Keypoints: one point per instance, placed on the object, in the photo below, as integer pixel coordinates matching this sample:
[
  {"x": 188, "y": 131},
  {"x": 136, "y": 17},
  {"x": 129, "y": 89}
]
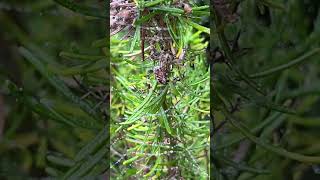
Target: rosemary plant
[{"x": 160, "y": 90}]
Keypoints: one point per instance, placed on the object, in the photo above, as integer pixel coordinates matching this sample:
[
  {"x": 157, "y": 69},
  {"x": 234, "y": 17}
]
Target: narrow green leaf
[
  {"x": 88, "y": 11},
  {"x": 52, "y": 172},
  {"x": 239, "y": 166},
  {"x": 152, "y": 3},
  {"x": 129, "y": 161},
  {"x": 238, "y": 137},
  {"x": 287, "y": 65},
  {"x": 91, "y": 163},
  {"x": 269, "y": 147},
  {"x": 272, "y": 4},
  {"x": 146, "y": 18},
  {"x": 56, "y": 82},
  {"x": 165, "y": 121},
  {"x": 101, "y": 43},
  {"x": 81, "y": 69},
  {"x": 60, "y": 161},
  {"x": 138, "y": 112},
  {"x": 96, "y": 142},
  {"x": 84, "y": 57},
  {"x": 197, "y": 26}
]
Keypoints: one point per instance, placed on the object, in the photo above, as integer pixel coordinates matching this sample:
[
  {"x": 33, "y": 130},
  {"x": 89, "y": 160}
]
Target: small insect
[{"x": 160, "y": 74}]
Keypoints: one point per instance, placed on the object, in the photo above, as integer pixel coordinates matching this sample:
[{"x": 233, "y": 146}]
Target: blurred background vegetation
[
  {"x": 53, "y": 89},
  {"x": 265, "y": 90}
]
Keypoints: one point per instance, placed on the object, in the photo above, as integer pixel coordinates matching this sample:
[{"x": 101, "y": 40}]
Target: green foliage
[{"x": 264, "y": 95}]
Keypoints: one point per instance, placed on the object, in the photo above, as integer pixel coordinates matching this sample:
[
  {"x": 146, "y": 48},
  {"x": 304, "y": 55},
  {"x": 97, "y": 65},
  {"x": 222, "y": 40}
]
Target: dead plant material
[{"x": 122, "y": 15}]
